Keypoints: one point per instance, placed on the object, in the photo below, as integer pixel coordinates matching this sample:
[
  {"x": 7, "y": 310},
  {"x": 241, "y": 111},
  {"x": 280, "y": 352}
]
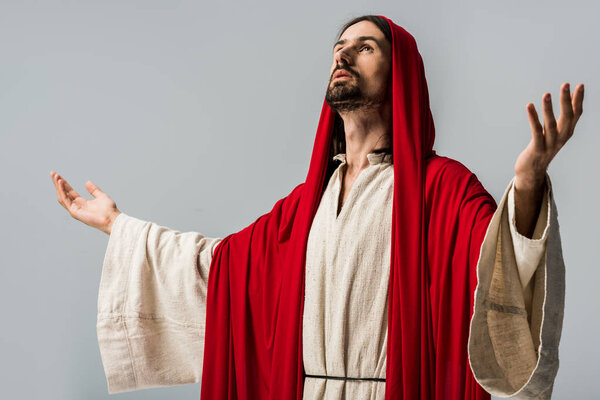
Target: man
[{"x": 305, "y": 303}]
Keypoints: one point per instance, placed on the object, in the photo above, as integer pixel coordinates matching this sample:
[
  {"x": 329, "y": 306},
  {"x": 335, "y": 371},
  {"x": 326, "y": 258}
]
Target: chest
[
  {"x": 353, "y": 226},
  {"x": 346, "y": 277},
  {"x": 346, "y": 182}
]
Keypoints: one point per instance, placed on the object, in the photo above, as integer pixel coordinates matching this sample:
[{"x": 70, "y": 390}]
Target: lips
[{"x": 341, "y": 74}]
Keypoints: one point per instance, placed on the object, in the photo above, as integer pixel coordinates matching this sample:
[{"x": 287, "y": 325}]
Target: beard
[{"x": 346, "y": 95}]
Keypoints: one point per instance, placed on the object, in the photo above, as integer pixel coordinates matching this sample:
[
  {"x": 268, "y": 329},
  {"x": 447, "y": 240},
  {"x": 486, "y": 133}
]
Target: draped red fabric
[{"x": 253, "y": 342}]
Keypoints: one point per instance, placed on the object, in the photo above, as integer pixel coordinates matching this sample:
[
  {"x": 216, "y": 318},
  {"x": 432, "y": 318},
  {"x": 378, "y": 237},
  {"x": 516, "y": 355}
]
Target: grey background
[{"x": 200, "y": 116}]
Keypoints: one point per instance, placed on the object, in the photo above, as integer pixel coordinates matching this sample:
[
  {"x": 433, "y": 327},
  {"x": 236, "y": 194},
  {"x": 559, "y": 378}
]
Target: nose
[{"x": 342, "y": 57}]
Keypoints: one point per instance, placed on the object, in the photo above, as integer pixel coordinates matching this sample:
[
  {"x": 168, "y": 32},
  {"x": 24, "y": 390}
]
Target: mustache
[{"x": 348, "y": 70}]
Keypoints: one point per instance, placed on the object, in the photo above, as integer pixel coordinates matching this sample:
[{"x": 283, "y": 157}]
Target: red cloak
[{"x": 253, "y": 343}]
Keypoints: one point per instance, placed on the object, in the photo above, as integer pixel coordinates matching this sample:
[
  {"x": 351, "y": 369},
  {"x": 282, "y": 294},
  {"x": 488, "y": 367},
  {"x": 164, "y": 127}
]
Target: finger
[
  {"x": 54, "y": 177},
  {"x": 550, "y": 132},
  {"x": 577, "y": 102},
  {"x": 93, "y": 189},
  {"x": 565, "y": 121},
  {"x": 65, "y": 199},
  {"x": 70, "y": 193},
  {"x": 537, "y": 135},
  {"x": 59, "y": 193}
]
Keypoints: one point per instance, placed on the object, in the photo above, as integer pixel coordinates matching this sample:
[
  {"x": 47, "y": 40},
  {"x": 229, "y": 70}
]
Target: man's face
[{"x": 359, "y": 76}]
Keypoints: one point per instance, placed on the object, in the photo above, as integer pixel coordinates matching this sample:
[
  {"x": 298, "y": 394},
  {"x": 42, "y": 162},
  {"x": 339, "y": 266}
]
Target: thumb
[{"x": 93, "y": 189}]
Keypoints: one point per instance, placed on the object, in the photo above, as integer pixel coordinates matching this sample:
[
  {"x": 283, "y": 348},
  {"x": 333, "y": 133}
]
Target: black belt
[{"x": 345, "y": 378}]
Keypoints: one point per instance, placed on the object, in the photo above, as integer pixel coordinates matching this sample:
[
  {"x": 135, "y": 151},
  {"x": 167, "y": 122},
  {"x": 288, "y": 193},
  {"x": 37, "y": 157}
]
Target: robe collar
[{"x": 374, "y": 158}]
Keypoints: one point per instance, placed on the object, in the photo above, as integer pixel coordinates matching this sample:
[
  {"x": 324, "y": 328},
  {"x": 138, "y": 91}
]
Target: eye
[{"x": 366, "y": 46}]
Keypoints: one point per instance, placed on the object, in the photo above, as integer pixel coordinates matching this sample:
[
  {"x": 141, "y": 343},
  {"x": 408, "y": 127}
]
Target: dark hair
[
  {"x": 338, "y": 142},
  {"x": 381, "y": 23}
]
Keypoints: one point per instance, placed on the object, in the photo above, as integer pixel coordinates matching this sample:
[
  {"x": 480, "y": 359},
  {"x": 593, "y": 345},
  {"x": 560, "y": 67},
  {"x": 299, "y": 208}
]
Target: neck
[{"x": 366, "y": 131}]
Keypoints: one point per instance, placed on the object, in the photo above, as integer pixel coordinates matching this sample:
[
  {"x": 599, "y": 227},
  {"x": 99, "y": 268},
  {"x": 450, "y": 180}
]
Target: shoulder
[
  {"x": 446, "y": 171},
  {"x": 445, "y": 167},
  {"x": 449, "y": 178}
]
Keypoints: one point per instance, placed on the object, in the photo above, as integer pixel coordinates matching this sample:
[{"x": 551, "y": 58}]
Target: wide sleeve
[
  {"x": 152, "y": 305},
  {"x": 514, "y": 353}
]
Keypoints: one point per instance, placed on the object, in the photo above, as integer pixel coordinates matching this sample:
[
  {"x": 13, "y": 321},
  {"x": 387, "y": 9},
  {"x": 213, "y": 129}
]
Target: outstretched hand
[
  {"x": 99, "y": 213},
  {"x": 547, "y": 140}
]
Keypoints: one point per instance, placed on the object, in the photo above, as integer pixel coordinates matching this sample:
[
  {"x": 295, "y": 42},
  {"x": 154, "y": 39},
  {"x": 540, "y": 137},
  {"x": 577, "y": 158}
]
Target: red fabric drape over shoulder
[{"x": 253, "y": 347}]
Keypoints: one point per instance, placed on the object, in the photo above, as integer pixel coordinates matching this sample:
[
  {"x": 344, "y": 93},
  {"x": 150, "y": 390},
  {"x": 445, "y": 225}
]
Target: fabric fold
[
  {"x": 512, "y": 353},
  {"x": 151, "y": 305}
]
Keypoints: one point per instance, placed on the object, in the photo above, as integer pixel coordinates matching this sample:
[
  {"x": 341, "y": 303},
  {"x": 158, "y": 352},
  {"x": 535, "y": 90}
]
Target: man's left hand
[{"x": 546, "y": 141}]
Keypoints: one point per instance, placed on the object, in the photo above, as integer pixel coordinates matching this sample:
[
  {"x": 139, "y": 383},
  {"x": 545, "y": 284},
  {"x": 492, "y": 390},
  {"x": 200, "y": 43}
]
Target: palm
[
  {"x": 91, "y": 211},
  {"x": 548, "y": 139},
  {"x": 94, "y": 212}
]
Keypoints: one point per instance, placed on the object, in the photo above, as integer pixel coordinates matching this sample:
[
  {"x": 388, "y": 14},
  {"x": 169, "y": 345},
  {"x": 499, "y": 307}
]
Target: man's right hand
[{"x": 99, "y": 213}]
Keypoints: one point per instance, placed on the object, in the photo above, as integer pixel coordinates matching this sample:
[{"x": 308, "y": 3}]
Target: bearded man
[{"x": 389, "y": 273}]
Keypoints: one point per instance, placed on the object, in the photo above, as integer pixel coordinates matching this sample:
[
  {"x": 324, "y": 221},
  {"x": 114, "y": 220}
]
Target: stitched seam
[
  {"x": 505, "y": 309},
  {"x": 147, "y": 317}
]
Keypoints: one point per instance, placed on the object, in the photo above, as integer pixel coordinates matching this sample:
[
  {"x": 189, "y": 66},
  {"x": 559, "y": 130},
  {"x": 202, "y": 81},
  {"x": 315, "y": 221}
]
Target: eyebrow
[{"x": 360, "y": 39}]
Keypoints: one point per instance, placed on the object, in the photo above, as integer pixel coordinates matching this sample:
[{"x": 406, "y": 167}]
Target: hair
[
  {"x": 338, "y": 142},
  {"x": 381, "y": 23}
]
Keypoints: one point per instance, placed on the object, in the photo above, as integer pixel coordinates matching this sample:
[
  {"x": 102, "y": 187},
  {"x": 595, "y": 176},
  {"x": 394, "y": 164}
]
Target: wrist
[
  {"x": 111, "y": 220},
  {"x": 533, "y": 183},
  {"x": 528, "y": 195}
]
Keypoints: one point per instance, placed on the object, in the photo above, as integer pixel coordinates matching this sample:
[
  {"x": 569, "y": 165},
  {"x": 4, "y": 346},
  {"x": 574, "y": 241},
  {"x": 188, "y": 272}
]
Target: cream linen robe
[{"x": 152, "y": 298}]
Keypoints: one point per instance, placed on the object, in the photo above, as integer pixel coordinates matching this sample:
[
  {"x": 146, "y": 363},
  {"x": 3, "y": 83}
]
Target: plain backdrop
[{"x": 199, "y": 116}]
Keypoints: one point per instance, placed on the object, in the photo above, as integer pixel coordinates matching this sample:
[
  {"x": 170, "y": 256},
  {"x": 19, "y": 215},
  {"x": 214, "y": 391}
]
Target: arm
[
  {"x": 514, "y": 338},
  {"x": 152, "y": 305},
  {"x": 152, "y": 295},
  {"x": 529, "y": 251},
  {"x": 513, "y": 350},
  {"x": 530, "y": 183}
]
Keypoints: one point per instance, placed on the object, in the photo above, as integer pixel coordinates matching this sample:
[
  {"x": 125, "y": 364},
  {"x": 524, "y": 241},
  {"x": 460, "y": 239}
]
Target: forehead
[{"x": 362, "y": 28}]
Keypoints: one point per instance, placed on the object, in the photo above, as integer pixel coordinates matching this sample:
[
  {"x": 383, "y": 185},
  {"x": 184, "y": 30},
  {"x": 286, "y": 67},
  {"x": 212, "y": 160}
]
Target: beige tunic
[
  {"x": 152, "y": 297},
  {"x": 344, "y": 329}
]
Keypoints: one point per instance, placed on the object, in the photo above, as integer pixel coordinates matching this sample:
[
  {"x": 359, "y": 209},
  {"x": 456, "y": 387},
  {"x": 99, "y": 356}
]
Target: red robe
[{"x": 253, "y": 343}]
